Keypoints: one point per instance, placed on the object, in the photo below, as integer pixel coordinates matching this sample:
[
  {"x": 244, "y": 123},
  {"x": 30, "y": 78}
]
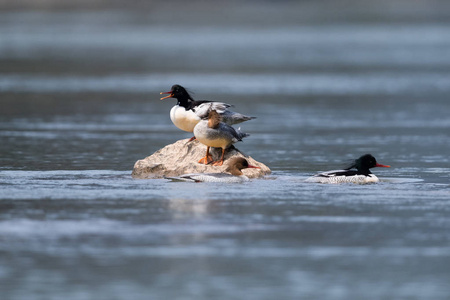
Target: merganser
[
  {"x": 361, "y": 175},
  {"x": 235, "y": 166},
  {"x": 188, "y": 112},
  {"x": 214, "y": 133}
]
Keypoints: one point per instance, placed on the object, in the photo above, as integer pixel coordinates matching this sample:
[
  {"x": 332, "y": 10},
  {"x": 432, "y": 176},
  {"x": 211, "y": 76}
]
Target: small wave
[{"x": 382, "y": 83}]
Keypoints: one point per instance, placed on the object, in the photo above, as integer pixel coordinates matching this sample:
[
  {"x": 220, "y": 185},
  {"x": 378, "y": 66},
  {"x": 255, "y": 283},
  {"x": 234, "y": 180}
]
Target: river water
[{"x": 79, "y": 95}]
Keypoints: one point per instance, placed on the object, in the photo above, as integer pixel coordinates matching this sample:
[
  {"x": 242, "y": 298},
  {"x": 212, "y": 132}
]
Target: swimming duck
[
  {"x": 234, "y": 173},
  {"x": 357, "y": 172}
]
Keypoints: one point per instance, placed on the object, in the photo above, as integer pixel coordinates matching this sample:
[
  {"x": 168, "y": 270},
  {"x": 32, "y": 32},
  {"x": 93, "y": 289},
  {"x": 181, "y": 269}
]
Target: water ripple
[{"x": 238, "y": 84}]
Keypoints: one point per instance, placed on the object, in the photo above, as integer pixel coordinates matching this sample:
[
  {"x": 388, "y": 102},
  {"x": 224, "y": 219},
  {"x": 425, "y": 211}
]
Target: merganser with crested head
[
  {"x": 188, "y": 112},
  {"x": 214, "y": 133},
  {"x": 361, "y": 175},
  {"x": 234, "y": 174}
]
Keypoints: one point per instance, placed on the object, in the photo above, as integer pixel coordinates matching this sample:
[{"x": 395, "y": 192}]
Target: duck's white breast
[
  {"x": 211, "y": 137},
  {"x": 184, "y": 119}
]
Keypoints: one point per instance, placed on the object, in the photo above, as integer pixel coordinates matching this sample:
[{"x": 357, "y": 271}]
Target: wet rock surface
[{"x": 182, "y": 157}]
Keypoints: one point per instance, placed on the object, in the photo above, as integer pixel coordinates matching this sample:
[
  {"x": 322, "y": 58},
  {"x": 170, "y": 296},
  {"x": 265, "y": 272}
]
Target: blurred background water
[{"x": 328, "y": 81}]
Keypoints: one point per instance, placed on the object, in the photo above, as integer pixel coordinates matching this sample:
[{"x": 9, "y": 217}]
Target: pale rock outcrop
[{"x": 182, "y": 157}]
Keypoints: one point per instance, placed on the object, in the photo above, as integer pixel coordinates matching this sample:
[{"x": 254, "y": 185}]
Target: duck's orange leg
[
  {"x": 220, "y": 162},
  {"x": 207, "y": 159},
  {"x": 191, "y": 139}
]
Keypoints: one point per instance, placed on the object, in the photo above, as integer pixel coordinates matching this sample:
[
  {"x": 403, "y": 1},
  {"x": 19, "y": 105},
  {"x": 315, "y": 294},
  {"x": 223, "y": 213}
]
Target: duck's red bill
[
  {"x": 254, "y": 167},
  {"x": 382, "y": 166},
  {"x": 170, "y": 95}
]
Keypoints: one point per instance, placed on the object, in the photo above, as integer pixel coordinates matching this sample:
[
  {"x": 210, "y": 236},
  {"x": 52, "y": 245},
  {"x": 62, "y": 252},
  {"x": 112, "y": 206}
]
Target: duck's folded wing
[
  {"x": 185, "y": 178},
  {"x": 207, "y": 177},
  {"x": 203, "y": 109},
  {"x": 230, "y": 117},
  {"x": 335, "y": 173},
  {"x": 335, "y": 176}
]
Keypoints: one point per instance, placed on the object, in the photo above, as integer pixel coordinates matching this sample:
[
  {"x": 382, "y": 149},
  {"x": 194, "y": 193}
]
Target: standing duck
[
  {"x": 234, "y": 174},
  {"x": 188, "y": 112},
  {"x": 214, "y": 133},
  {"x": 358, "y": 172}
]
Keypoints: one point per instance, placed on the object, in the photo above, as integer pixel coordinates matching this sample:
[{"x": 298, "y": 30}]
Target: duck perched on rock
[
  {"x": 214, "y": 133},
  {"x": 188, "y": 112}
]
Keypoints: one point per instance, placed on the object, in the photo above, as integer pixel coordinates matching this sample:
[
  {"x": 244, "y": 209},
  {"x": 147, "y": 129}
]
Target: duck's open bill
[{"x": 170, "y": 95}]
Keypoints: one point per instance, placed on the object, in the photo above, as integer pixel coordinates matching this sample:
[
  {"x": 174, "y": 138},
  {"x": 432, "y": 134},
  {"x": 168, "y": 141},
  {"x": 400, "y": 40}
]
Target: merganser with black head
[
  {"x": 234, "y": 173},
  {"x": 214, "y": 133},
  {"x": 188, "y": 112},
  {"x": 361, "y": 175}
]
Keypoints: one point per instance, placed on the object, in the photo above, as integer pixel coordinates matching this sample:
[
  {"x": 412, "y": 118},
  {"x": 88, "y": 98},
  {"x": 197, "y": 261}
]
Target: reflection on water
[
  {"x": 196, "y": 209},
  {"x": 80, "y": 104}
]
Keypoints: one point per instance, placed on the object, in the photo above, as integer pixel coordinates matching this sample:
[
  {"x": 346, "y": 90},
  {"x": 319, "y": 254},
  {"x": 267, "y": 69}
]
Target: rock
[{"x": 182, "y": 157}]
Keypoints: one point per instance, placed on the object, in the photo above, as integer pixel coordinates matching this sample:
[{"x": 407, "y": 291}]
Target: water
[{"x": 79, "y": 95}]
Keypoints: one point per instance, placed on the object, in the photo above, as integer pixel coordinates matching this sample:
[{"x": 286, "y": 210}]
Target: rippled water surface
[{"x": 80, "y": 104}]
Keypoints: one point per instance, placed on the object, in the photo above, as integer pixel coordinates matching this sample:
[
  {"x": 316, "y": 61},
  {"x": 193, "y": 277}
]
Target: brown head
[
  {"x": 213, "y": 119},
  {"x": 236, "y": 164}
]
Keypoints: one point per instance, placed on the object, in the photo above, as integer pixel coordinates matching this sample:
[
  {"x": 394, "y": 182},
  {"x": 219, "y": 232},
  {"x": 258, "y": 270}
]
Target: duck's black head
[
  {"x": 178, "y": 92},
  {"x": 366, "y": 162}
]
